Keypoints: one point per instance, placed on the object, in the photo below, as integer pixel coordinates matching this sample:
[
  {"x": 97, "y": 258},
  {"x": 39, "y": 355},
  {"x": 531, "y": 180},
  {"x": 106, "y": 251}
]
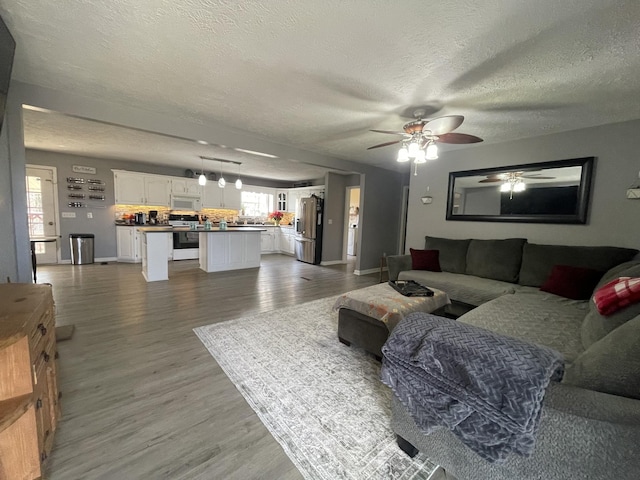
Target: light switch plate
[
  {"x": 426, "y": 200},
  {"x": 68, "y": 214},
  {"x": 89, "y": 214}
]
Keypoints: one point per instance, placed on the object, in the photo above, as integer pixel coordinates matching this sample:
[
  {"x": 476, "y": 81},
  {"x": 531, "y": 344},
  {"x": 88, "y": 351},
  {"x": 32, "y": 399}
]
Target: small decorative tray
[{"x": 411, "y": 288}]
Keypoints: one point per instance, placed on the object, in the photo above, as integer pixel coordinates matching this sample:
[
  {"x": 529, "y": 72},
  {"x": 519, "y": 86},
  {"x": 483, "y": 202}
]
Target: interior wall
[
  {"x": 612, "y": 219},
  {"x": 379, "y": 218},
  {"x": 333, "y": 234},
  {"x": 8, "y": 260}
]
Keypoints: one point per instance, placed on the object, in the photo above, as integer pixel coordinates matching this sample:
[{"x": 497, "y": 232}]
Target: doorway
[
  {"x": 42, "y": 210},
  {"x": 351, "y": 225}
]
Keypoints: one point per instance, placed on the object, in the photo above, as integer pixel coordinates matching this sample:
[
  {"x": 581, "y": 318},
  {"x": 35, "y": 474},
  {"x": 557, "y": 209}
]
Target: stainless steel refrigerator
[{"x": 309, "y": 230}]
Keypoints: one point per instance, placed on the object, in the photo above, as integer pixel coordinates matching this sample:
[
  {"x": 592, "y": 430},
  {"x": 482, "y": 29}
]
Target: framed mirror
[{"x": 547, "y": 192}]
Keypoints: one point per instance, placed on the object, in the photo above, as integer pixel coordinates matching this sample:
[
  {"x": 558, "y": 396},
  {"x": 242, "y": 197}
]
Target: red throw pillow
[
  {"x": 617, "y": 294},
  {"x": 576, "y": 283},
  {"x": 425, "y": 260}
]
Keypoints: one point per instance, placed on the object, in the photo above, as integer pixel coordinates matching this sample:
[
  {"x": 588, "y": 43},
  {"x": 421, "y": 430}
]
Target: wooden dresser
[{"x": 29, "y": 406}]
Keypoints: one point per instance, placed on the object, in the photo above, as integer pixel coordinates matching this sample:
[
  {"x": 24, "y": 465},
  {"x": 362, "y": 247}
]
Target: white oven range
[{"x": 185, "y": 244}]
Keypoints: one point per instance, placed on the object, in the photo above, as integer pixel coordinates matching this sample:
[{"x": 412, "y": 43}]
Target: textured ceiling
[{"x": 319, "y": 75}]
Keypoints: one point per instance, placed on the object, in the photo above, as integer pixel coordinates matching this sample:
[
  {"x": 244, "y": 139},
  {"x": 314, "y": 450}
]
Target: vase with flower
[{"x": 276, "y": 217}]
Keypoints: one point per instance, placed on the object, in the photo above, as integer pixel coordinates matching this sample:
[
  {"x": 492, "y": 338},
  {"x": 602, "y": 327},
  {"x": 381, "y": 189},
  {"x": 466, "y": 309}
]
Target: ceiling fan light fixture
[
  {"x": 414, "y": 148},
  {"x": 403, "y": 155},
  {"x": 519, "y": 186},
  {"x": 420, "y": 157},
  {"x": 505, "y": 187},
  {"x": 432, "y": 151}
]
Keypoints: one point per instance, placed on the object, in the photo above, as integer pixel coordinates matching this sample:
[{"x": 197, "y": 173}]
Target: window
[
  {"x": 35, "y": 215},
  {"x": 256, "y": 204}
]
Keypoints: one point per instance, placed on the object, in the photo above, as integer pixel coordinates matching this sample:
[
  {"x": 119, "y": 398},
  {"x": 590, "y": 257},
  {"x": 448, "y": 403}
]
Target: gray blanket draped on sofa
[{"x": 484, "y": 387}]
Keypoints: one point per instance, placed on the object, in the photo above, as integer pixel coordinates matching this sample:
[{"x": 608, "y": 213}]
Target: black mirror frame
[{"x": 584, "y": 190}]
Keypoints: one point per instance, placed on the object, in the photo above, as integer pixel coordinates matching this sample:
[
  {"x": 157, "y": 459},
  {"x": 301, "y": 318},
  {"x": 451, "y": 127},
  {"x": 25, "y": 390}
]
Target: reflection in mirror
[{"x": 548, "y": 192}]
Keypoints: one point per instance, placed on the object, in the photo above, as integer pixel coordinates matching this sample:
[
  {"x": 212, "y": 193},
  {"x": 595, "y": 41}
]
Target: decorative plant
[{"x": 277, "y": 216}]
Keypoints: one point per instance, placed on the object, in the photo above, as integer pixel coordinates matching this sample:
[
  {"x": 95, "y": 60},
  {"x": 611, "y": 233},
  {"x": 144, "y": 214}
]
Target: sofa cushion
[
  {"x": 425, "y": 260},
  {"x": 462, "y": 288},
  {"x": 496, "y": 259},
  {"x": 453, "y": 253},
  {"x": 538, "y": 260},
  {"x": 597, "y": 326},
  {"x": 571, "y": 282},
  {"x": 610, "y": 365},
  {"x": 535, "y": 316}
]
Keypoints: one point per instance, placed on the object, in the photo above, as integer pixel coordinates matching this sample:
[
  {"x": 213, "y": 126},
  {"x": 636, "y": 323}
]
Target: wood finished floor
[{"x": 142, "y": 397}]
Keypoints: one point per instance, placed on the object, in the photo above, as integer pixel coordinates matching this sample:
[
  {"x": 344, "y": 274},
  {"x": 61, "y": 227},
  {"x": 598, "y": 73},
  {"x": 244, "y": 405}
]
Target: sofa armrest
[
  {"x": 582, "y": 434},
  {"x": 397, "y": 264}
]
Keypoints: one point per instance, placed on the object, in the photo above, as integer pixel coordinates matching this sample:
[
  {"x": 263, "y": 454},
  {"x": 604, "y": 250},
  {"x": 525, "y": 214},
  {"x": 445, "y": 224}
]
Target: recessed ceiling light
[
  {"x": 252, "y": 152},
  {"x": 202, "y": 142}
]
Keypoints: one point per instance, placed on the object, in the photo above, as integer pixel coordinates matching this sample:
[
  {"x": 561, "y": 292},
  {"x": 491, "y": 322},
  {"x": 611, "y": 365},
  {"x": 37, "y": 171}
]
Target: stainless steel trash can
[{"x": 81, "y": 248}]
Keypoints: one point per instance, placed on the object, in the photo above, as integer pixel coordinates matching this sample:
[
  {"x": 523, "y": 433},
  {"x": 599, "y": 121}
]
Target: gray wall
[
  {"x": 380, "y": 212},
  {"x": 8, "y": 262},
  {"x": 332, "y": 238},
  {"x": 613, "y": 220},
  {"x": 481, "y": 201}
]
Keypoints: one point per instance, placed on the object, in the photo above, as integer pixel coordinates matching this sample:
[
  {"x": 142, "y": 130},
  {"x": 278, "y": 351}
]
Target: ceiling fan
[
  {"x": 422, "y": 135},
  {"x": 504, "y": 177}
]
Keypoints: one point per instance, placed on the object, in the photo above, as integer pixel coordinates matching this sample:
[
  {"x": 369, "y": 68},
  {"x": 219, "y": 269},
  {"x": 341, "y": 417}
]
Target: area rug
[{"x": 321, "y": 400}]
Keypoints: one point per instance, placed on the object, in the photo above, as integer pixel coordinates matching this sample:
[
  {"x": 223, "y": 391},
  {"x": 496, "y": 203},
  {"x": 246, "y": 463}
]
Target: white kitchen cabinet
[
  {"x": 211, "y": 195},
  {"x": 281, "y": 200},
  {"x": 267, "y": 241},
  {"x": 156, "y": 190},
  {"x": 128, "y": 244},
  {"x": 129, "y": 188},
  {"x": 231, "y": 197},
  {"x": 185, "y": 186},
  {"x": 286, "y": 240},
  {"x": 141, "y": 189}
]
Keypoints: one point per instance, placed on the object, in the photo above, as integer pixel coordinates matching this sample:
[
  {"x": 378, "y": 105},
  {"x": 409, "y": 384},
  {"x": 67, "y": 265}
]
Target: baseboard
[
  {"x": 368, "y": 271},
  {"x": 95, "y": 260},
  {"x": 332, "y": 262}
]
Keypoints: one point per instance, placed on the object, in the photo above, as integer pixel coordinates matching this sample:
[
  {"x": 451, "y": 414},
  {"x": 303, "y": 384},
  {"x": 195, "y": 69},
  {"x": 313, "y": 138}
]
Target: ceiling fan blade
[
  {"x": 384, "y": 144},
  {"x": 442, "y": 125},
  {"x": 458, "y": 138},
  {"x": 389, "y": 132},
  {"x": 491, "y": 180},
  {"x": 536, "y": 177}
]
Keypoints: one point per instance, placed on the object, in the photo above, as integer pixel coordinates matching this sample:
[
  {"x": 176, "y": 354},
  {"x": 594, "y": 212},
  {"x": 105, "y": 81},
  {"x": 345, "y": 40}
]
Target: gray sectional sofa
[{"x": 590, "y": 426}]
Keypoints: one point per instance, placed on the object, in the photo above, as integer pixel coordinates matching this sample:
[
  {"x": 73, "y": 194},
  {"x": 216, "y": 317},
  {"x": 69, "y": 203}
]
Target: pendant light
[
  {"x": 238, "y": 181},
  {"x": 202, "y": 179},
  {"x": 221, "y": 182}
]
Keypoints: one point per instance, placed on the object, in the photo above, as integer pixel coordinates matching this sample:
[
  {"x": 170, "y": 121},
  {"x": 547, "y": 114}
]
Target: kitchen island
[{"x": 232, "y": 249}]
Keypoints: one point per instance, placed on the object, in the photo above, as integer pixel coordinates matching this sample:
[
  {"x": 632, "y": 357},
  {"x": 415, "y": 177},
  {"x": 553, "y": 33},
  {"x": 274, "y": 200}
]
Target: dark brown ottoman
[{"x": 367, "y": 316}]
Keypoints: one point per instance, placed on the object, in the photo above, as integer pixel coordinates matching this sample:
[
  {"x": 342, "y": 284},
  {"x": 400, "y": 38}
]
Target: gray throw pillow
[
  {"x": 495, "y": 259},
  {"x": 453, "y": 253},
  {"x": 596, "y": 326},
  {"x": 612, "y": 364},
  {"x": 539, "y": 260}
]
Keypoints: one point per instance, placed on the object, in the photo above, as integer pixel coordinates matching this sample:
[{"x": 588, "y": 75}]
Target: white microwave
[{"x": 182, "y": 202}]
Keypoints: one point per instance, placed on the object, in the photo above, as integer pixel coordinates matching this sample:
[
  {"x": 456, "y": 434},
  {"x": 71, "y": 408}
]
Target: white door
[{"x": 41, "y": 211}]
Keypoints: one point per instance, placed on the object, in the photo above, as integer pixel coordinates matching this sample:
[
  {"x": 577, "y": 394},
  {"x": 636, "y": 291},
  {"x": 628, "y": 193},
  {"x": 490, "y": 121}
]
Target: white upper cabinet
[
  {"x": 231, "y": 197},
  {"x": 141, "y": 189},
  {"x": 281, "y": 200},
  {"x": 129, "y": 188},
  {"x": 211, "y": 195},
  {"x": 185, "y": 186},
  {"x": 156, "y": 190}
]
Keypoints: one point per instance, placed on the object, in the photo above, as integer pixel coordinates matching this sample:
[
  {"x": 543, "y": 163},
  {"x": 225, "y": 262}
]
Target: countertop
[{"x": 199, "y": 230}]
